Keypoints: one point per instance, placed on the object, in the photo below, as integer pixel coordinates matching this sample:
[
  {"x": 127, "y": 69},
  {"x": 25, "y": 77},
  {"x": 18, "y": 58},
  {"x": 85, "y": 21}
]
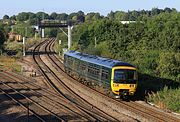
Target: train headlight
[
  {"x": 132, "y": 85},
  {"x": 131, "y": 93}
]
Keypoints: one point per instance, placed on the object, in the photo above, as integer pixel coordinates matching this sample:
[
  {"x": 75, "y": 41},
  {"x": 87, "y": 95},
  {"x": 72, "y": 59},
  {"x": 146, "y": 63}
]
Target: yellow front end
[{"x": 125, "y": 84}]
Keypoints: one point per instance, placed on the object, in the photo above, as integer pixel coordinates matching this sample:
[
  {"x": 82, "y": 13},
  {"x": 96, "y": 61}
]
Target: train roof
[{"x": 106, "y": 62}]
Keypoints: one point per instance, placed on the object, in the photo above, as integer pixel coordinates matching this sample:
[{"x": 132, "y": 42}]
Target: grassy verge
[
  {"x": 167, "y": 99},
  {"x": 9, "y": 64},
  {"x": 30, "y": 42}
]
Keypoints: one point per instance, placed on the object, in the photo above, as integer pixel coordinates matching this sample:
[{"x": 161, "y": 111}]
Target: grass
[
  {"x": 9, "y": 64},
  {"x": 30, "y": 42},
  {"x": 15, "y": 46},
  {"x": 167, "y": 99}
]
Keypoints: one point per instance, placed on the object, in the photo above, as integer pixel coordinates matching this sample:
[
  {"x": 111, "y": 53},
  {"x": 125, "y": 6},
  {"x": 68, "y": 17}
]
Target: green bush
[
  {"x": 169, "y": 98},
  {"x": 169, "y": 65},
  {"x": 15, "y": 46}
]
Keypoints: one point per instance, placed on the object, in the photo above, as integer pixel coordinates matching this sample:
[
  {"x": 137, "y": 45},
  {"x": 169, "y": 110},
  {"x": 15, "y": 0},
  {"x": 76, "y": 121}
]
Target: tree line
[
  {"x": 92, "y": 16},
  {"x": 151, "y": 44}
]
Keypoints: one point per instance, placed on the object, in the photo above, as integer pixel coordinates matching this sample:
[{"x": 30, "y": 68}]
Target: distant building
[
  {"x": 18, "y": 37},
  {"x": 14, "y": 37},
  {"x": 127, "y": 22}
]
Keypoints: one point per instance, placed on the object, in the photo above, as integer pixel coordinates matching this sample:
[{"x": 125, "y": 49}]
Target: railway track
[
  {"x": 94, "y": 114},
  {"x": 47, "y": 98},
  {"x": 149, "y": 113},
  {"x": 33, "y": 108},
  {"x": 31, "y": 115}
]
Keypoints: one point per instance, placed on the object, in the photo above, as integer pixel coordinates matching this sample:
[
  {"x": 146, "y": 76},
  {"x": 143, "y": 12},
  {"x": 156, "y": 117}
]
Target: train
[{"x": 119, "y": 78}]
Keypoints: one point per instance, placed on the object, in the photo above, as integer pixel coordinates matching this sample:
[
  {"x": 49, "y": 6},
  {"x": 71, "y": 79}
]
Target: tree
[
  {"x": 80, "y": 18},
  {"x": 33, "y": 21},
  {"x": 96, "y": 16},
  {"x": 62, "y": 16},
  {"x": 121, "y": 16},
  {"x": 72, "y": 15},
  {"x": 54, "y": 16},
  {"x": 111, "y": 15},
  {"x": 168, "y": 10},
  {"x": 13, "y": 17},
  {"x": 32, "y": 15},
  {"x": 169, "y": 65},
  {"x": 155, "y": 11},
  {"x": 80, "y": 13},
  {"x": 89, "y": 16},
  {"x": 2, "y": 36},
  {"x": 51, "y": 32},
  {"x": 42, "y": 15},
  {"x": 92, "y": 16},
  {"x": 5, "y": 17},
  {"x": 23, "y": 16}
]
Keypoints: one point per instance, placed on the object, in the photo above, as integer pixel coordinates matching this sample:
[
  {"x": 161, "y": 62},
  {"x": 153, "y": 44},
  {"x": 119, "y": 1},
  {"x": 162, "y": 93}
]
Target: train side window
[
  {"x": 76, "y": 63},
  {"x": 96, "y": 71},
  {"x": 93, "y": 70},
  {"x": 104, "y": 74},
  {"x": 82, "y": 66},
  {"x": 70, "y": 61},
  {"x": 90, "y": 70}
]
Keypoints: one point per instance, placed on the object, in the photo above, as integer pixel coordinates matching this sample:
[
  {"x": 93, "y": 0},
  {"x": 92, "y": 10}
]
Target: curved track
[
  {"x": 57, "y": 105},
  {"x": 146, "y": 112},
  {"x": 91, "y": 112}
]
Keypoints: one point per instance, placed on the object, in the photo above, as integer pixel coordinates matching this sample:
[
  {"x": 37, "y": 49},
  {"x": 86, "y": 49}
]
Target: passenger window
[{"x": 105, "y": 74}]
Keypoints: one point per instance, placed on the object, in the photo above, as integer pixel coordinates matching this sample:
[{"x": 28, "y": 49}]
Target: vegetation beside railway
[
  {"x": 151, "y": 43},
  {"x": 10, "y": 64}
]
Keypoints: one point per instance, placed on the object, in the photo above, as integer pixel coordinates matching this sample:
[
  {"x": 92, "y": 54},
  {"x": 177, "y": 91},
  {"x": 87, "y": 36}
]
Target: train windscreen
[{"x": 125, "y": 76}]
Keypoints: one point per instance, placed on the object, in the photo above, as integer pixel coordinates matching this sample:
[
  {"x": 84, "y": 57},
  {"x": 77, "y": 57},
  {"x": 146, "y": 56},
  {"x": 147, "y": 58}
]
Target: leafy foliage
[
  {"x": 152, "y": 43},
  {"x": 2, "y": 36},
  {"x": 167, "y": 99}
]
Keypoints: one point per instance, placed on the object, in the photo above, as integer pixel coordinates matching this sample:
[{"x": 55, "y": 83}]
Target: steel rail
[{"x": 145, "y": 111}]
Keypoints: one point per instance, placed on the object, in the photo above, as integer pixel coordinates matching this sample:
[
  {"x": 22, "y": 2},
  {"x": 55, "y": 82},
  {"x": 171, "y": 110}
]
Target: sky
[{"x": 13, "y": 7}]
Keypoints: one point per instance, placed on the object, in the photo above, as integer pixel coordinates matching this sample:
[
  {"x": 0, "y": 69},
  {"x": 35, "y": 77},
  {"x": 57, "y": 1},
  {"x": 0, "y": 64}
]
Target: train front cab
[{"x": 124, "y": 80}]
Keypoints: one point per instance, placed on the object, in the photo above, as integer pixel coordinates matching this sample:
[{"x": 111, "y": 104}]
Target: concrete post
[
  {"x": 95, "y": 43},
  {"x": 26, "y": 32},
  {"x": 59, "y": 47},
  {"x": 42, "y": 32},
  {"x": 24, "y": 47},
  {"x": 35, "y": 35},
  {"x": 12, "y": 28},
  {"x": 69, "y": 37}
]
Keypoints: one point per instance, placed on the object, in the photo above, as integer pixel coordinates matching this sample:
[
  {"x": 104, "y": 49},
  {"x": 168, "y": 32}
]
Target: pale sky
[{"x": 13, "y": 7}]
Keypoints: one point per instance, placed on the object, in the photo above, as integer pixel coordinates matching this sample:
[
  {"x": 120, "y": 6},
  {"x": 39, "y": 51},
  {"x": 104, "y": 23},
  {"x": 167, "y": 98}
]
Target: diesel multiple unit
[{"x": 118, "y": 77}]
